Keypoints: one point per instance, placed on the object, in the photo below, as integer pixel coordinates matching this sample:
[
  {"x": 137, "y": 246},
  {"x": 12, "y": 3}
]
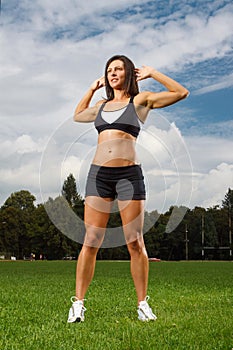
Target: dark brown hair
[{"x": 130, "y": 85}]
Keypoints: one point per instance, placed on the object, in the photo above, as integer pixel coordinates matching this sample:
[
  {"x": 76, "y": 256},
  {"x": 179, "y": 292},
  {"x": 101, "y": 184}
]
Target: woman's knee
[
  {"x": 89, "y": 250},
  {"x": 136, "y": 246},
  {"x": 94, "y": 237}
]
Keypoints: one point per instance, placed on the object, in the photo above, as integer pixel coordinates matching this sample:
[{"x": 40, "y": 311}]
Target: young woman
[{"x": 115, "y": 172}]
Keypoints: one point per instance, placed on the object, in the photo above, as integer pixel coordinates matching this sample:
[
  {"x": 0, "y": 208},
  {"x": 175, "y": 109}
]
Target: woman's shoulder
[
  {"x": 100, "y": 102},
  {"x": 141, "y": 98}
]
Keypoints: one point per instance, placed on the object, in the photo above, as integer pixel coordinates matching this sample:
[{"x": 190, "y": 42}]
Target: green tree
[
  {"x": 17, "y": 212},
  {"x": 227, "y": 205},
  {"x": 69, "y": 192},
  {"x": 228, "y": 200},
  {"x": 22, "y": 200},
  {"x": 10, "y": 231}
]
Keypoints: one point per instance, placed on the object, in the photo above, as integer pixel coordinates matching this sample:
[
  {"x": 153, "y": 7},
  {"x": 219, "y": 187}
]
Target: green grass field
[{"x": 193, "y": 302}]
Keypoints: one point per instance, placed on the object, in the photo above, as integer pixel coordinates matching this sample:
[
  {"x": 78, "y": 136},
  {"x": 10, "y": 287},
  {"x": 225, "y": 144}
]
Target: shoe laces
[
  {"x": 146, "y": 310},
  {"x": 144, "y": 302},
  {"x": 144, "y": 305},
  {"x": 77, "y": 304},
  {"x": 75, "y": 300}
]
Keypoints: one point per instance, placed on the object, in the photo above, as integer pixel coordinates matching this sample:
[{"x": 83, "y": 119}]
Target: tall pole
[
  {"x": 230, "y": 230},
  {"x": 186, "y": 243},
  {"x": 202, "y": 236}
]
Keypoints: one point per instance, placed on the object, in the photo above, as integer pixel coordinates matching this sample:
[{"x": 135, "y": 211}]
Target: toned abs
[{"x": 112, "y": 144}]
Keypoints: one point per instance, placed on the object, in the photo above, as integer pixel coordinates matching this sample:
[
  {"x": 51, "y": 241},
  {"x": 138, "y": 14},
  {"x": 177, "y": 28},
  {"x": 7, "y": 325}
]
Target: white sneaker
[
  {"x": 76, "y": 312},
  {"x": 144, "y": 311}
]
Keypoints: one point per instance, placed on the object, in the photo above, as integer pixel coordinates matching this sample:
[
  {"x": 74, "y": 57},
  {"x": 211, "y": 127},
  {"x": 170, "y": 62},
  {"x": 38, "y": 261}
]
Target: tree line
[{"x": 26, "y": 229}]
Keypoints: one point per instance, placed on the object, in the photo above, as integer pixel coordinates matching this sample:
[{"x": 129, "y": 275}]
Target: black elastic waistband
[{"x": 114, "y": 168}]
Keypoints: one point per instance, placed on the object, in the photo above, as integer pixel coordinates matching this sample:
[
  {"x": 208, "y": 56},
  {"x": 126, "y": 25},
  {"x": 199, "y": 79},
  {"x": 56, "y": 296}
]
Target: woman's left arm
[{"x": 175, "y": 93}]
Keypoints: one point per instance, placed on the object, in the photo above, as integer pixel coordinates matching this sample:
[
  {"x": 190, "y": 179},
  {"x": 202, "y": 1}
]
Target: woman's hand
[
  {"x": 98, "y": 83},
  {"x": 144, "y": 72}
]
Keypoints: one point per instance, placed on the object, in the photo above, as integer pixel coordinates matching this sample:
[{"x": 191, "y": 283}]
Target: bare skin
[{"x": 117, "y": 148}]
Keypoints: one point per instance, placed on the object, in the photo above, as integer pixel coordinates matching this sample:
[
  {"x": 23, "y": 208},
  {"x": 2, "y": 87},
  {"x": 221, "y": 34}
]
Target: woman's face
[{"x": 116, "y": 74}]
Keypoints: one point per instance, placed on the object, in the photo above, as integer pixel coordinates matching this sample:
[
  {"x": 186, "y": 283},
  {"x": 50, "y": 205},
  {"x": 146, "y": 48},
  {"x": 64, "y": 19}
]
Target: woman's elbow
[
  {"x": 75, "y": 117},
  {"x": 184, "y": 94}
]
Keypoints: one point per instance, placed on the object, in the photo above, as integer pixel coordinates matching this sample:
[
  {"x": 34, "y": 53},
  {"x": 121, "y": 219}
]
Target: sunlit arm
[
  {"x": 84, "y": 113},
  {"x": 175, "y": 91}
]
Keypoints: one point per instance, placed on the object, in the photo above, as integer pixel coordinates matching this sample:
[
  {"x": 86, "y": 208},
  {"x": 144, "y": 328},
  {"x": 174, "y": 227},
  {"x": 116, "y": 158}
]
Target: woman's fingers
[
  {"x": 98, "y": 83},
  {"x": 142, "y": 73},
  {"x": 101, "y": 82}
]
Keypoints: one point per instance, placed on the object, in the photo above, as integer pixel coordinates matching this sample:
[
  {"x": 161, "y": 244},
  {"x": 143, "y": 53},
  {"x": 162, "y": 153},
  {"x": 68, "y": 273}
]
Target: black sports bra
[{"x": 128, "y": 121}]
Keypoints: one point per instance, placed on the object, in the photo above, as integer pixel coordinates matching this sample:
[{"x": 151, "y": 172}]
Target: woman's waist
[
  {"x": 112, "y": 173},
  {"x": 114, "y": 162}
]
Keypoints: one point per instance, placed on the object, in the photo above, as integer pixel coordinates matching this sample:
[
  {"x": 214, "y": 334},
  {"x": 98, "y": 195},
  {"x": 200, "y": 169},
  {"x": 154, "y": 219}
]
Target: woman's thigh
[
  {"x": 97, "y": 211},
  {"x": 132, "y": 216},
  {"x": 96, "y": 216}
]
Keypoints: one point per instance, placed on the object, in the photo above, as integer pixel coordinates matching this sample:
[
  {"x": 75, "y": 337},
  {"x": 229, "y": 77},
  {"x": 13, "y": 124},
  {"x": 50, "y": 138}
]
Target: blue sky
[{"x": 52, "y": 51}]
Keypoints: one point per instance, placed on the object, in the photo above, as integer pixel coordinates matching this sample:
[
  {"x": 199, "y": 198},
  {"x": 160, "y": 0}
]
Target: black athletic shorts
[{"x": 123, "y": 183}]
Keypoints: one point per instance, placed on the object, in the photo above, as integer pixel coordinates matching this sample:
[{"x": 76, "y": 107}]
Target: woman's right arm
[{"x": 84, "y": 113}]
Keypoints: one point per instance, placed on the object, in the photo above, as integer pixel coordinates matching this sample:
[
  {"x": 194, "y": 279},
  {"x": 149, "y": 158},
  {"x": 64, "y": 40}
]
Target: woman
[{"x": 115, "y": 173}]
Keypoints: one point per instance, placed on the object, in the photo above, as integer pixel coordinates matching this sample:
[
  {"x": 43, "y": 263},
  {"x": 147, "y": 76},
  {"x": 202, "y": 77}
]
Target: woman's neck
[{"x": 120, "y": 95}]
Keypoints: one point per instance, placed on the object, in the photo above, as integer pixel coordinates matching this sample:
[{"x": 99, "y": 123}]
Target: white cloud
[
  {"x": 185, "y": 38},
  {"x": 208, "y": 152},
  {"x": 212, "y": 187},
  {"x": 224, "y": 82},
  {"x": 190, "y": 171},
  {"x": 57, "y": 48},
  {"x": 23, "y": 144}
]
